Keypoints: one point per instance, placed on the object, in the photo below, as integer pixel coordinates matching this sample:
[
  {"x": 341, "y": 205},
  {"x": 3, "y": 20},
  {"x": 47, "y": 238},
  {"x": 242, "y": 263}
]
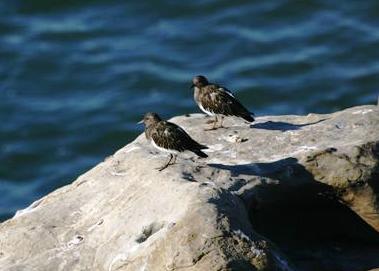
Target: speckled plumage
[
  {"x": 217, "y": 100},
  {"x": 169, "y": 137}
]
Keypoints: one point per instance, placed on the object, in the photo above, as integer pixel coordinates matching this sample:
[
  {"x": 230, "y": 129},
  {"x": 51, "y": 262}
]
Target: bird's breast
[
  {"x": 148, "y": 132},
  {"x": 196, "y": 95}
]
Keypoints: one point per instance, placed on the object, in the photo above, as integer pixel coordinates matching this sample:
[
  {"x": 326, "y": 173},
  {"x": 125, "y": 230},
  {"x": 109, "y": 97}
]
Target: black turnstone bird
[
  {"x": 169, "y": 137},
  {"x": 218, "y": 101}
]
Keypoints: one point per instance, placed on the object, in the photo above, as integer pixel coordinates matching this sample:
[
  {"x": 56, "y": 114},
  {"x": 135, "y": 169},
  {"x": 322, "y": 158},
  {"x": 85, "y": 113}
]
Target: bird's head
[
  {"x": 199, "y": 81},
  {"x": 150, "y": 118}
]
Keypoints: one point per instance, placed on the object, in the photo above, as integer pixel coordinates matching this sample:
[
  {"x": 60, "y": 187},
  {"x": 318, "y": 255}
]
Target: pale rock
[{"x": 236, "y": 210}]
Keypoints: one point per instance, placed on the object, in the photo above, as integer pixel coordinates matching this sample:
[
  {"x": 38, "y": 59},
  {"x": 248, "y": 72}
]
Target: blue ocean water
[{"x": 75, "y": 76}]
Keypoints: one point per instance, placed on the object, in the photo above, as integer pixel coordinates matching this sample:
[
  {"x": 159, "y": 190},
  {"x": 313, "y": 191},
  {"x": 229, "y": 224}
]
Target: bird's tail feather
[
  {"x": 248, "y": 117},
  {"x": 203, "y": 147},
  {"x": 200, "y": 153}
]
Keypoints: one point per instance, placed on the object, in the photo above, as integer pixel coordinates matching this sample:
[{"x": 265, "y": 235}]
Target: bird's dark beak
[
  {"x": 192, "y": 86},
  {"x": 140, "y": 122}
]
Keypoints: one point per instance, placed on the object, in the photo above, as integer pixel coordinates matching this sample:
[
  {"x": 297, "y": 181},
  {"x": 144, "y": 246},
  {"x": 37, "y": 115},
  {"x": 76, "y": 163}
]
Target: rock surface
[{"x": 286, "y": 193}]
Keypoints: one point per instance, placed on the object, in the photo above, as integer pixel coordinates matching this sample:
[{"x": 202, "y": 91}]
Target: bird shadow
[
  {"x": 304, "y": 217},
  {"x": 256, "y": 169},
  {"x": 282, "y": 126}
]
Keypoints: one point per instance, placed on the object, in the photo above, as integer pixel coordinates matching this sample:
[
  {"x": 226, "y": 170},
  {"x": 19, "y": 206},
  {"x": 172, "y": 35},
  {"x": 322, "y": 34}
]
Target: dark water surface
[{"x": 75, "y": 76}]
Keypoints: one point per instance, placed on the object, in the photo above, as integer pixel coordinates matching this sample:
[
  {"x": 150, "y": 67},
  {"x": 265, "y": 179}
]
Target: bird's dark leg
[
  {"x": 214, "y": 125},
  {"x": 173, "y": 162},
  {"x": 211, "y": 121},
  {"x": 222, "y": 119},
  {"x": 167, "y": 164}
]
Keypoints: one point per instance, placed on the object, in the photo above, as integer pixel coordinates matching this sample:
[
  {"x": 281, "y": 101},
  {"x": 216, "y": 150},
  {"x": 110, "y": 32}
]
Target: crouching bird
[
  {"x": 215, "y": 100},
  {"x": 170, "y": 138}
]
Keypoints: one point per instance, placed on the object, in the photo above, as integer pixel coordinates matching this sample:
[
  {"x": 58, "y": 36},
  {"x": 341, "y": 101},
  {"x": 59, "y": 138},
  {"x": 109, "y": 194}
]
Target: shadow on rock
[
  {"x": 305, "y": 218},
  {"x": 281, "y": 126},
  {"x": 257, "y": 169}
]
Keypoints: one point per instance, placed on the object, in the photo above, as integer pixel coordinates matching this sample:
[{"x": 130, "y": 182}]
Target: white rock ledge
[{"x": 232, "y": 211}]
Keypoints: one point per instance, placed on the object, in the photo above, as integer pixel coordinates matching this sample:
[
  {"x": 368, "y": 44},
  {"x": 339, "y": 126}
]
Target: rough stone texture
[{"x": 287, "y": 193}]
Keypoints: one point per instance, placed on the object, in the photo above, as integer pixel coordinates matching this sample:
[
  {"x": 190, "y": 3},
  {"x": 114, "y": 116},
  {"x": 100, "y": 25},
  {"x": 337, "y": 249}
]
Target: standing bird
[
  {"x": 215, "y": 100},
  {"x": 169, "y": 137}
]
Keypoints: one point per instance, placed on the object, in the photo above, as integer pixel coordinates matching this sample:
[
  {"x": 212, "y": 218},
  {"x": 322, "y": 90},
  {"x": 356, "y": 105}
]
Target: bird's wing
[
  {"x": 230, "y": 93},
  {"x": 220, "y": 100},
  {"x": 170, "y": 136}
]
